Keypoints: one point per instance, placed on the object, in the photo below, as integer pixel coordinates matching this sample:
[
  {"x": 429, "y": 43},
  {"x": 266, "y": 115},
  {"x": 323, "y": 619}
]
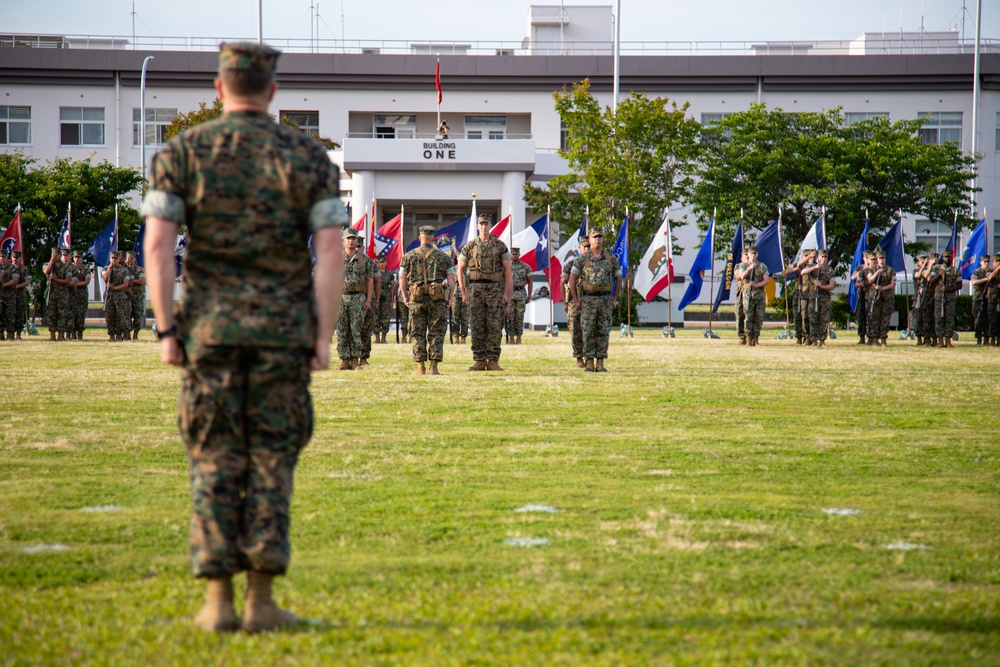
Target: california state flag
[{"x": 656, "y": 270}]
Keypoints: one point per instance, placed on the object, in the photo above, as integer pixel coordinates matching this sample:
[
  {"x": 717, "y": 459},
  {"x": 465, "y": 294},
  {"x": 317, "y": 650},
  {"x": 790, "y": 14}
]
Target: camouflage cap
[
  {"x": 130, "y": 253},
  {"x": 65, "y": 251},
  {"x": 77, "y": 253},
  {"x": 821, "y": 253},
  {"x": 879, "y": 254},
  {"x": 984, "y": 258},
  {"x": 595, "y": 232},
  {"x": 517, "y": 250},
  {"x": 56, "y": 251},
  {"x": 17, "y": 253},
  {"x": 248, "y": 56},
  {"x": 484, "y": 219},
  {"x": 922, "y": 255},
  {"x": 585, "y": 241},
  {"x": 808, "y": 250},
  {"x": 932, "y": 255},
  {"x": 349, "y": 233},
  {"x": 427, "y": 230},
  {"x": 750, "y": 248},
  {"x": 996, "y": 258},
  {"x": 381, "y": 258}
]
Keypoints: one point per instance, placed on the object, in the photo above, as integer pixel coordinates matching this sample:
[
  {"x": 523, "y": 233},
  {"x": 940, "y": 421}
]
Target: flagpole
[
  {"x": 711, "y": 280},
  {"x": 548, "y": 236},
  {"x": 906, "y": 278},
  {"x": 437, "y": 82},
  {"x": 69, "y": 220},
  {"x": 670, "y": 284},
  {"x": 510, "y": 229},
  {"x": 627, "y": 281},
  {"x": 781, "y": 249}
]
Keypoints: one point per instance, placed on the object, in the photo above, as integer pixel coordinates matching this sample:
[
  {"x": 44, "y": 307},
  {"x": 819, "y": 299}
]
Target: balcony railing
[{"x": 433, "y": 136}]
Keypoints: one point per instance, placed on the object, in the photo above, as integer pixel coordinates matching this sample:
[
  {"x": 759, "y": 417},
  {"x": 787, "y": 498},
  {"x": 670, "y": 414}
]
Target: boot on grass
[
  {"x": 493, "y": 366},
  {"x": 588, "y": 366},
  {"x": 599, "y": 368},
  {"x": 580, "y": 363},
  {"x": 260, "y": 613},
  {"x": 434, "y": 368},
  {"x": 218, "y": 614},
  {"x": 478, "y": 366},
  {"x": 346, "y": 365},
  {"x": 420, "y": 369}
]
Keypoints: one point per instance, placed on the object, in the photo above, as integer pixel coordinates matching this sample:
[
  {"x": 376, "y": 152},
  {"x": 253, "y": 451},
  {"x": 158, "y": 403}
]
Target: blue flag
[
  {"x": 104, "y": 243},
  {"x": 974, "y": 249},
  {"x": 702, "y": 262},
  {"x": 179, "y": 250},
  {"x": 892, "y": 245},
  {"x": 856, "y": 261},
  {"x": 732, "y": 259},
  {"x": 952, "y": 246},
  {"x": 447, "y": 238},
  {"x": 620, "y": 251},
  {"x": 769, "y": 252},
  {"x": 64, "y": 237},
  {"x": 137, "y": 248}
]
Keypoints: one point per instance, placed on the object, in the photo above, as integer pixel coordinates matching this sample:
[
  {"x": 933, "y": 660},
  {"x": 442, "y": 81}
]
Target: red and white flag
[
  {"x": 500, "y": 228},
  {"x": 388, "y": 241},
  {"x": 565, "y": 255},
  {"x": 11, "y": 239},
  {"x": 655, "y": 271},
  {"x": 359, "y": 226},
  {"x": 437, "y": 80}
]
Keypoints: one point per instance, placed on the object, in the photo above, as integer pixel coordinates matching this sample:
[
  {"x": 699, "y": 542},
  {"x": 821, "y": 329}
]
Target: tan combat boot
[
  {"x": 493, "y": 366},
  {"x": 743, "y": 340},
  {"x": 52, "y": 335},
  {"x": 260, "y": 613},
  {"x": 947, "y": 342},
  {"x": 361, "y": 363},
  {"x": 580, "y": 363},
  {"x": 345, "y": 365},
  {"x": 218, "y": 614},
  {"x": 62, "y": 336},
  {"x": 420, "y": 369},
  {"x": 518, "y": 341},
  {"x": 478, "y": 366},
  {"x": 599, "y": 368},
  {"x": 19, "y": 335},
  {"x": 135, "y": 335},
  {"x": 589, "y": 366},
  {"x": 434, "y": 368}
]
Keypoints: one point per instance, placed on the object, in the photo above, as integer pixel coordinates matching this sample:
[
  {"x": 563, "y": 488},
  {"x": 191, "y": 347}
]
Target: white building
[{"x": 80, "y": 97}]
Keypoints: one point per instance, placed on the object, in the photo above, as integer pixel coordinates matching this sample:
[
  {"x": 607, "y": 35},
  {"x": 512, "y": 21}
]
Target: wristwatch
[{"x": 169, "y": 333}]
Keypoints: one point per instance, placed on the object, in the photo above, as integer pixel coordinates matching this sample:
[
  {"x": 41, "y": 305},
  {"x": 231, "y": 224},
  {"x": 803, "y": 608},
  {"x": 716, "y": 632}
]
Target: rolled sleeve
[
  {"x": 327, "y": 213},
  {"x": 160, "y": 204}
]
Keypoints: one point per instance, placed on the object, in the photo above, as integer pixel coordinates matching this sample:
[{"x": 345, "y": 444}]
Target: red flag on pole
[
  {"x": 11, "y": 239},
  {"x": 437, "y": 81}
]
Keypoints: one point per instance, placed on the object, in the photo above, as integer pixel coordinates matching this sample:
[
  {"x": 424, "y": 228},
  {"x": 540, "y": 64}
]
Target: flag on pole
[
  {"x": 702, "y": 262},
  {"x": 361, "y": 224},
  {"x": 500, "y": 228},
  {"x": 534, "y": 244},
  {"x": 11, "y": 239},
  {"x": 473, "y": 231},
  {"x": 140, "y": 256},
  {"x": 566, "y": 253},
  {"x": 65, "y": 236},
  {"x": 105, "y": 242},
  {"x": 655, "y": 270},
  {"x": 975, "y": 248},
  {"x": 856, "y": 261},
  {"x": 370, "y": 232},
  {"x": 437, "y": 81},
  {"x": 815, "y": 237},
  {"x": 728, "y": 274},
  {"x": 892, "y": 245},
  {"x": 179, "y": 251},
  {"x": 388, "y": 241},
  {"x": 620, "y": 251},
  {"x": 770, "y": 254},
  {"x": 952, "y": 244},
  {"x": 447, "y": 238}
]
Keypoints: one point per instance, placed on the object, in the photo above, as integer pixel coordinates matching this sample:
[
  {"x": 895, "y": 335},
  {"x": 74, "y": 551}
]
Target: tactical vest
[
  {"x": 354, "y": 274},
  {"x": 592, "y": 275},
  {"x": 485, "y": 261},
  {"x": 431, "y": 288}
]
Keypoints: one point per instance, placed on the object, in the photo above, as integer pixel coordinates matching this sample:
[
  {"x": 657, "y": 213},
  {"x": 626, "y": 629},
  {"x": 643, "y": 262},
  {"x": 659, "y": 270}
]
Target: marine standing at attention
[
  {"x": 572, "y": 314},
  {"x": 488, "y": 291},
  {"x": 520, "y": 275},
  {"x": 426, "y": 279},
  {"x": 253, "y": 322},
  {"x": 591, "y": 279}
]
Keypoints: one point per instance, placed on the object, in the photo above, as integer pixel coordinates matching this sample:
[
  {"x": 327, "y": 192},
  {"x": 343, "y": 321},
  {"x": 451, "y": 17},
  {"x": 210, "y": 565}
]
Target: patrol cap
[
  {"x": 984, "y": 258},
  {"x": 130, "y": 253},
  {"x": 349, "y": 233},
  {"x": 821, "y": 253},
  {"x": 517, "y": 250},
  {"x": 56, "y": 251},
  {"x": 585, "y": 241},
  {"x": 879, "y": 254},
  {"x": 996, "y": 258},
  {"x": 595, "y": 232},
  {"x": 932, "y": 255},
  {"x": 17, "y": 253},
  {"x": 79, "y": 253},
  {"x": 750, "y": 248},
  {"x": 922, "y": 255},
  {"x": 248, "y": 57},
  {"x": 484, "y": 219},
  {"x": 381, "y": 258},
  {"x": 427, "y": 230},
  {"x": 65, "y": 251}
]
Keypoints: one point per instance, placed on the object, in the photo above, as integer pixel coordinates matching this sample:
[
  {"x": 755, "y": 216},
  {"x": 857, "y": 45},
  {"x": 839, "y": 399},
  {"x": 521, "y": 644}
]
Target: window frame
[
  {"x": 82, "y": 125},
  {"x": 7, "y": 122},
  {"x": 157, "y": 125}
]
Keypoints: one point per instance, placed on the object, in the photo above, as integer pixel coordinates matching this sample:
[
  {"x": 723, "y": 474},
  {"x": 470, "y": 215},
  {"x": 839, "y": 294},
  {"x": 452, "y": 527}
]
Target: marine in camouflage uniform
[
  {"x": 520, "y": 275},
  {"x": 993, "y": 302},
  {"x": 592, "y": 277},
  {"x": 426, "y": 279},
  {"x": 916, "y": 312},
  {"x": 371, "y": 313},
  {"x": 384, "y": 313},
  {"x": 798, "y": 299},
  {"x": 487, "y": 291},
  {"x": 860, "y": 278},
  {"x": 739, "y": 310},
  {"x": 78, "y": 296},
  {"x": 118, "y": 308},
  {"x": 21, "y": 295},
  {"x": 946, "y": 281},
  {"x": 927, "y": 316},
  {"x": 403, "y": 318},
  {"x": 137, "y": 297},
  {"x": 754, "y": 298},
  {"x": 572, "y": 314},
  {"x": 883, "y": 281},
  {"x": 57, "y": 315},
  {"x": 356, "y": 300},
  {"x": 459, "y": 316},
  {"x": 819, "y": 305},
  {"x": 10, "y": 276},
  {"x": 250, "y": 191},
  {"x": 980, "y": 314},
  {"x": 807, "y": 290}
]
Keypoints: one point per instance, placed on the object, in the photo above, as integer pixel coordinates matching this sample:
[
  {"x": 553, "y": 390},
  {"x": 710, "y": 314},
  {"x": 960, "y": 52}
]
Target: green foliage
[
  {"x": 204, "y": 113},
  {"x": 641, "y": 159},
  {"x": 46, "y": 191}
]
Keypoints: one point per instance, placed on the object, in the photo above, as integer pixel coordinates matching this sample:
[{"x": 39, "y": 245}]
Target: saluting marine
[
  {"x": 753, "y": 278},
  {"x": 883, "y": 303},
  {"x": 819, "y": 304},
  {"x": 136, "y": 296}
]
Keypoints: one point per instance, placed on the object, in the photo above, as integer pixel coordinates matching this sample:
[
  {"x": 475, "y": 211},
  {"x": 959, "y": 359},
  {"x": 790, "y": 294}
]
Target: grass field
[{"x": 701, "y": 504}]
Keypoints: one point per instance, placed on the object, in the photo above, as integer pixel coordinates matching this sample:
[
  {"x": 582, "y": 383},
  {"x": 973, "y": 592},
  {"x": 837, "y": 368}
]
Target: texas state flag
[
  {"x": 533, "y": 243},
  {"x": 568, "y": 252}
]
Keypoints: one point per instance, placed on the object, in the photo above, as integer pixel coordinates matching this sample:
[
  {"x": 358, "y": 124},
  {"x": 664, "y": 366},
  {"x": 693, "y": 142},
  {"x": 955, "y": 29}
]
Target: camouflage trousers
[
  {"x": 244, "y": 414},
  {"x": 57, "y": 315},
  {"x": 367, "y": 330},
  {"x": 993, "y": 306},
  {"x": 428, "y": 323},
  {"x": 20, "y": 309},
  {"x": 78, "y": 306},
  {"x": 802, "y": 316},
  {"x": 980, "y": 317},
  {"x": 881, "y": 312},
  {"x": 459, "y": 317},
  {"x": 575, "y": 329},
  {"x": 944, "y": 311},
  {"x": 118, "y": 313},
  {"x": 8, "y": 310},
  {"x": 486, "y": 319},
  {"x": 349, "y": 329},
  {"x": 137, "y": 301},
  {"x": 819, "y": 317},
  {"x": 404, "y": 320},
  {"x": 384, "y": 315},
  {"x": 595, "y": 320},
  {"x": 515, "y": 317},
  {"x": 862, "y": 314},
  {"x": 754, "y": 306},
  {"x": 739, "y": 310}
]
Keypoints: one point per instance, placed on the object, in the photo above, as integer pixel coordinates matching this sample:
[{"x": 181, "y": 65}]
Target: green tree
[
  {"x": 641, "y": 158},
  {"x": 204, "y": 113}
]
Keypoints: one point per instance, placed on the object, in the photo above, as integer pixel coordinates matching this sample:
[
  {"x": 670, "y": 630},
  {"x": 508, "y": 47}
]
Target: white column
[
  {"x": 363, "y": 185},
  {"x": 512, "y": 198}
]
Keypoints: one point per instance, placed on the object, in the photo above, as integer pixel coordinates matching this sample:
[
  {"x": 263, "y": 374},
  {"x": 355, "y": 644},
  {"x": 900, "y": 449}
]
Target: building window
[
  {"x": 15, "y": 125},
  {"x": 157, "y": 121},
  {"x": 81, "y": 126},
  {"x": 491, "y": 127},
  {"x": 308, "y": 121},
  {"x": 940, "y": 127},
  {"x": 395, "y": 126},
  {"x": 935, "y": 234},
  {"x": 709, "y": 134},
  {"x": 998, "y": 133},
  {"x": 850, "y": 118},
  {"x": 564, "y": 136}
]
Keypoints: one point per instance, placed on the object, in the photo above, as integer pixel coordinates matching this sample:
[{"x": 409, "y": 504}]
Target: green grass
[{"x": 690, "y": 482}]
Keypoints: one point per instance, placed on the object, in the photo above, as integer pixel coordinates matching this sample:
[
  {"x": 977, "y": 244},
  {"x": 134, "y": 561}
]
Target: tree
[
  {"x": 184, "y": 120},
  {"x": 641, "y": 158}
]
